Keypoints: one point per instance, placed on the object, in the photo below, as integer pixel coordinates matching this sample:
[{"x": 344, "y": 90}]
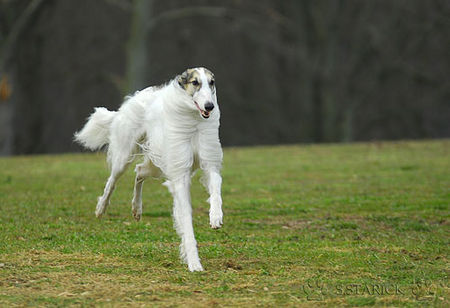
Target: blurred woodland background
[{"x": 287, "y": 71}]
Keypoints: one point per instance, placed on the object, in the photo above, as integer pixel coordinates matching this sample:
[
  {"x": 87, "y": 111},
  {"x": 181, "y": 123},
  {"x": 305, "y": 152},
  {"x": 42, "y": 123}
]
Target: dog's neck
[{"x": 178, "y": 111}]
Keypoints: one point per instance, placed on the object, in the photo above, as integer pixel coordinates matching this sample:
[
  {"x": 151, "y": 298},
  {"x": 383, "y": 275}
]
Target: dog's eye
[
  {"x": 195, "y": 82},
  {"x": 211, "y": 83}
]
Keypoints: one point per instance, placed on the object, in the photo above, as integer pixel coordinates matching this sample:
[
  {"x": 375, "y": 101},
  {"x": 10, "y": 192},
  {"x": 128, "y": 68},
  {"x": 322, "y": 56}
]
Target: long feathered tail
[{"x": 95, "y": 134}]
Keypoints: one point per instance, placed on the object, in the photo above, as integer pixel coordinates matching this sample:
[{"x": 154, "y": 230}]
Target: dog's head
[{"x": 199, "y": 83}]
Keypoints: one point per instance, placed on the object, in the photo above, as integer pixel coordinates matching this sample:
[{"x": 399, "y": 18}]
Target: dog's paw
[
  {"x": 101, "y": 208},
  {"x": 136, "y": 209},
  {"x": 195, "y": 267},
  {"x": 137, "y": 214},
  {"x": 216, "y": 220},
  {"x": 215, "y": 212}
]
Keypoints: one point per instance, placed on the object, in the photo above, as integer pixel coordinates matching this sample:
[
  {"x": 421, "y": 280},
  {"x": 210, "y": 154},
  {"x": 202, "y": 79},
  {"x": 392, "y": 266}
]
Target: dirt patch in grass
[{"x": 87, "y": 278}]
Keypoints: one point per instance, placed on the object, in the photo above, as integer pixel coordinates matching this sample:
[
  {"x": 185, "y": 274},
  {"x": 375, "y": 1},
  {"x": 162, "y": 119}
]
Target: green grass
[{"x": 354, "y": 225}]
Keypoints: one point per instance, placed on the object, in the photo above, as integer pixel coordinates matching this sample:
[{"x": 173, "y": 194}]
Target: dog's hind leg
[
  {"x": 142, "y": 172},
  {"x": 119, "y": 159},
  {"x": 103, "y": 201}
]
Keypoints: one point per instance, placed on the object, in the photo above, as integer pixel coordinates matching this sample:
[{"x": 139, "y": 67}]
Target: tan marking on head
[{"x": 190, "y": 81}]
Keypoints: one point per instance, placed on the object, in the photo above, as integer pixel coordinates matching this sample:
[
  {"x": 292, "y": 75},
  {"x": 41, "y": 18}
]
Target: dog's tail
[{"x": 95, "y": 134}]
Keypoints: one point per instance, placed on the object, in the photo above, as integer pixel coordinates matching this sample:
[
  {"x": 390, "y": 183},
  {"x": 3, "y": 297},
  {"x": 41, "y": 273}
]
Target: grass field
[{"x": 355, "y": 225}]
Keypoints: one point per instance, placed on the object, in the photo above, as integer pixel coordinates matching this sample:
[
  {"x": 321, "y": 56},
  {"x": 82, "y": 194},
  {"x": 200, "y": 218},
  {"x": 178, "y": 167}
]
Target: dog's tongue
[{"x": 204, "y": 113}]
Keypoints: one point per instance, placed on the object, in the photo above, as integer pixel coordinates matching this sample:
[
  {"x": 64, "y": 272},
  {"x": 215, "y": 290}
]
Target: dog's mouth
[{"x": 205, "y": 114}]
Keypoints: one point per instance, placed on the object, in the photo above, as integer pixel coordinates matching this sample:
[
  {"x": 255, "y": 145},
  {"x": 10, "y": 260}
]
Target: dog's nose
[{"x": 209, "y": 106}]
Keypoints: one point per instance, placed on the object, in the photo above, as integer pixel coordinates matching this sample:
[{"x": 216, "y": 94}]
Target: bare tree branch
[{"x": 205, "y": 11}]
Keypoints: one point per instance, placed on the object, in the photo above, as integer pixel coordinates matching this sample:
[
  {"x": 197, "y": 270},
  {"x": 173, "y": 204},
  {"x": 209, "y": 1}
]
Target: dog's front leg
[
  {"x": 182, "y": 212},
  {"x": 214, "y": 183}
]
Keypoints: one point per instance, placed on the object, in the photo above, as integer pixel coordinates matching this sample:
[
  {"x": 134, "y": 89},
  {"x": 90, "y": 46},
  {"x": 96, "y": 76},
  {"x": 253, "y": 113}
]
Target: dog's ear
[{"x": 183, "y": 79}]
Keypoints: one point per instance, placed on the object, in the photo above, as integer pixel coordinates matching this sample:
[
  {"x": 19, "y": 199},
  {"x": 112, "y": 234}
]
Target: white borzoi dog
[{"x": 176, "y": 128}]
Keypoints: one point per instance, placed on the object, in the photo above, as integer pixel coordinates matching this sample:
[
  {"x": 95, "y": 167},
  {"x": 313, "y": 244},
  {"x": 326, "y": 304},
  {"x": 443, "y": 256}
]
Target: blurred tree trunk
[
  {"x": 67, "y": 62},
  {"x": 16, "y": 18},
  {"x": 139, "y": 49}
]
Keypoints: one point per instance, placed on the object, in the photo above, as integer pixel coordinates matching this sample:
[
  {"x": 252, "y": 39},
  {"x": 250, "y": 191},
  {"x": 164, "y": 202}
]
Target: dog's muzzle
[{"x": 208, "y": 108}]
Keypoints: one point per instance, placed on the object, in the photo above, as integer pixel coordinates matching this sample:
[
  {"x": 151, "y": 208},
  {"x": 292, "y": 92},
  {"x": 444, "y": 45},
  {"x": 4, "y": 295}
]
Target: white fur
[
  {"x": 95, "y": 133},
  {"x": 164, "y": 124}
]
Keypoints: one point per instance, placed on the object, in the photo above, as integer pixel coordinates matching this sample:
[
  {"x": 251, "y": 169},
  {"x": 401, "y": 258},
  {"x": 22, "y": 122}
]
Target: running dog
[{"x": 175, "y": 127}]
